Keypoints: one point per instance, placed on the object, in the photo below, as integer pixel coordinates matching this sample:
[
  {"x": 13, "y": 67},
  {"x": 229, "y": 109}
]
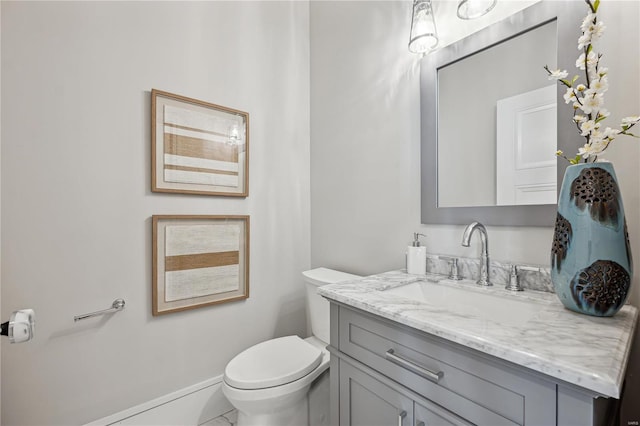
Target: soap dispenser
[{"x": 416, "y": 256}]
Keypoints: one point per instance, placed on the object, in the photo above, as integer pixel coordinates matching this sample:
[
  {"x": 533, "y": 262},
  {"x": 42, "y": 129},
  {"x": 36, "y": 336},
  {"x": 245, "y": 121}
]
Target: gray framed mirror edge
[{"x": 569, "y": 15}]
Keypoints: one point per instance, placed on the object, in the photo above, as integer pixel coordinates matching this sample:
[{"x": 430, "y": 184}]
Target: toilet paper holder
[
  {"x": 20, "y": 328},
  {"x": 116, "y": 306}
]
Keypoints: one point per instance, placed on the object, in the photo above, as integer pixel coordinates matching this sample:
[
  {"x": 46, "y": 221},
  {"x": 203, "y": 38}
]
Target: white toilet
[{"x": 268, "y": 383}]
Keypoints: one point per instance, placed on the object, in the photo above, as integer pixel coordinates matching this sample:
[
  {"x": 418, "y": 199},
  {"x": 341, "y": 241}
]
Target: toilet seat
[{"x": 272, "y": 363}]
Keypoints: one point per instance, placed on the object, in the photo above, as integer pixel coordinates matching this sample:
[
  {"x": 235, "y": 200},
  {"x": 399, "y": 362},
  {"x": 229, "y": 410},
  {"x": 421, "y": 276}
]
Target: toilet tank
[{"x": 318, "y": 306}]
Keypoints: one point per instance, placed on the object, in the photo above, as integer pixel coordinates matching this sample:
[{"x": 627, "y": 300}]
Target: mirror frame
[{"x": 569, "y": 16}]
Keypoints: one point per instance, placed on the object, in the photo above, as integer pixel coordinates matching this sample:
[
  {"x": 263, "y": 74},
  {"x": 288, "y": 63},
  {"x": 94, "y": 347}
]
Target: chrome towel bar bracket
[{"x": 116, "y": 306}]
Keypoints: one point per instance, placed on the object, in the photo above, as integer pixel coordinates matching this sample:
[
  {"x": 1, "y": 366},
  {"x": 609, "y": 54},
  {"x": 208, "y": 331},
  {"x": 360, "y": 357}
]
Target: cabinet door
[
  {"x": 364, "y": 401},
  {"x": 433, "y": 415}
]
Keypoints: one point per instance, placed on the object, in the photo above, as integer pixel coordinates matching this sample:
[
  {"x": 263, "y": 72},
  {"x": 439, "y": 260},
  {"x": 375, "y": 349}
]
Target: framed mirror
[{"x": 491, "y": 121}]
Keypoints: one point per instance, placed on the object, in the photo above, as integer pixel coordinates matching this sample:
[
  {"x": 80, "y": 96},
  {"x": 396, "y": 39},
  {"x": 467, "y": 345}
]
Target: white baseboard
[{"x": 191, "y": 406}]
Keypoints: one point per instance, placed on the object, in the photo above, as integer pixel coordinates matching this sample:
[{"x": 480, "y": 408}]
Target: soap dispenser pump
[{"x": 417, "y": 256}]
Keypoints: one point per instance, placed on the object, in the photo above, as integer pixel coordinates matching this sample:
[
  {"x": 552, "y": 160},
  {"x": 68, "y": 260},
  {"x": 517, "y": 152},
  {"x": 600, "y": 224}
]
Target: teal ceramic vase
[{"x": 591, "y": 264}]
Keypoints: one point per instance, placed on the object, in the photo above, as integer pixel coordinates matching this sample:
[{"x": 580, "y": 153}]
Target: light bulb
[{"x": 471, "y": 9}]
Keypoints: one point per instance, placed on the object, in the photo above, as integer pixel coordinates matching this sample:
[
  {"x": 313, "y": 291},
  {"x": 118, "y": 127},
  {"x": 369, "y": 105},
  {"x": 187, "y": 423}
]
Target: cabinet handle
[
  {"x": 401, "y": 417},
  {"x": 420, "y": 371}
]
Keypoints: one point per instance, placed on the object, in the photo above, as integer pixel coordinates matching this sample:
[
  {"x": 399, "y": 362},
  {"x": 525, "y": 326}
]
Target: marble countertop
[{"x": 590, "y": 352}]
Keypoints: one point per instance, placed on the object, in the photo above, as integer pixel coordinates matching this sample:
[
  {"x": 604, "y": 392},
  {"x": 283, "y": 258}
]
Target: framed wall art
[
  {"x": 198, "y": 147},
  {"x": 199, "y": 261}
]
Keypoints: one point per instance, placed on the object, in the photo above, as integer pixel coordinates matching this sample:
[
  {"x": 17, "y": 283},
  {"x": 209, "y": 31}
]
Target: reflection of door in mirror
[
  {"x": 525, "y": 149},
  {"x": 468, "y": 93}
]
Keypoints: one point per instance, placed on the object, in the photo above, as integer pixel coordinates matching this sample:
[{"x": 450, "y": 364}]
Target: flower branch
[{"x": 588, "y": 99}]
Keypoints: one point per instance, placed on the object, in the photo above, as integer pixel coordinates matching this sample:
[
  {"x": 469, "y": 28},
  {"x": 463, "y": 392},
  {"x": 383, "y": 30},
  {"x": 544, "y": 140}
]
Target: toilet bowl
[{"x": 268, "y": 383}]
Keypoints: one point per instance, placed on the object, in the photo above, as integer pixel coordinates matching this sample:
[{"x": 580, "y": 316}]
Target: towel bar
[{"x": 116, "y": 306}]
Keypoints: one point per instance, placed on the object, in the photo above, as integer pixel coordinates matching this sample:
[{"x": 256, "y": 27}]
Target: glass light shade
[
  {"x": 423, "y": 36},
  {"x": 471, "y": 9}
]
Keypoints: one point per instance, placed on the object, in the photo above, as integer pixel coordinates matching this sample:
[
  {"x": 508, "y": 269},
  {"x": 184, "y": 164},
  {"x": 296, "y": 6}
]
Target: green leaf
[
  {"x": 574, "y": 79},
  {"x": 595, "y": 5},
  {"x": 576, "y": 160},
  {"x": 600, "y": 118},
  {"x": 566, "y": 82},
  {"x": 589, "y": 49}
]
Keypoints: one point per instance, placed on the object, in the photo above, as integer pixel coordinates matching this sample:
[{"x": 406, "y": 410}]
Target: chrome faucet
[{"x": 483, "y": 279}]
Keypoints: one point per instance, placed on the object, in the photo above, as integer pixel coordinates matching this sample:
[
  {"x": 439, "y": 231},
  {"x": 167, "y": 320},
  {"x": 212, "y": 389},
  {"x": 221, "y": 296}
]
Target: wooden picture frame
[
  {"x": 199, "y": 260},
  {"x": 198, "y": 147}
]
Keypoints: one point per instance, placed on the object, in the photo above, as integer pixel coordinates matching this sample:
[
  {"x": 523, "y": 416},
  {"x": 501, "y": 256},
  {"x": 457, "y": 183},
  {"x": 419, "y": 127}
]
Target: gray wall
[
  {"x": 365, "y": 143},
  {"x": 365, "y": 164},
  {"x": 76, "y": 203}
]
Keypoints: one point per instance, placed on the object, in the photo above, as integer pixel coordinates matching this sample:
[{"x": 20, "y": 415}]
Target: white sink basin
[{"x": 505, "y": 309}]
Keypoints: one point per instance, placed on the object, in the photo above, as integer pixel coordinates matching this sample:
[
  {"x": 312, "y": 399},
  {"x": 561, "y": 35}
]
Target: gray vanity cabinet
[
  {"x": 379, "y": 402},
  {"x": 381, "y": 369}
]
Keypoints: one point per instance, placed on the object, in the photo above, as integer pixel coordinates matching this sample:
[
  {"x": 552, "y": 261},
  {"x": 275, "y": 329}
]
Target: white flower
[
  {"x": 587, "y": 22},
  {"x": 584, "y": 40},
  {"x": 581, "y": 87},
  {"x": 594, "y": 147},
  {"x": 591, "y": 104},
  {"x": 580, "y": 61},
  {"x": 610, "y": 133},
  {"x": 569, "y": 96},
  {"x": 630, "y": 120},
  {"x": 588, "y": 126},
  {"x": 557, "y": 74},
  {"x": 592, "y": 59},
  {"x": 585, "y": 150},
  {"x": 589, "y": 149},
  {"x": 596, "y": 137},
  {"x": 603, "y": 113},
  {"x": 593, "y": 73},
  {"x": 602, "y": 71},
  {"x": 600, "y": 85},
  {"x": 599, "y": 146},
  {"x": 597, "y": 30},
  {"x": 579, "y": 118}
]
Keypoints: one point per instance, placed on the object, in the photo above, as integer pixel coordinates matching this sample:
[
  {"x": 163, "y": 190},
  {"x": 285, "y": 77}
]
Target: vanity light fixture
[
  {"x": 471, "y": 9},
  {"x": 423, "y": 36}
]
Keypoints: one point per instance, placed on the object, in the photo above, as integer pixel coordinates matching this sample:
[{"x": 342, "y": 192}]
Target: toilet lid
[{"x": 272, "y": 363}]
